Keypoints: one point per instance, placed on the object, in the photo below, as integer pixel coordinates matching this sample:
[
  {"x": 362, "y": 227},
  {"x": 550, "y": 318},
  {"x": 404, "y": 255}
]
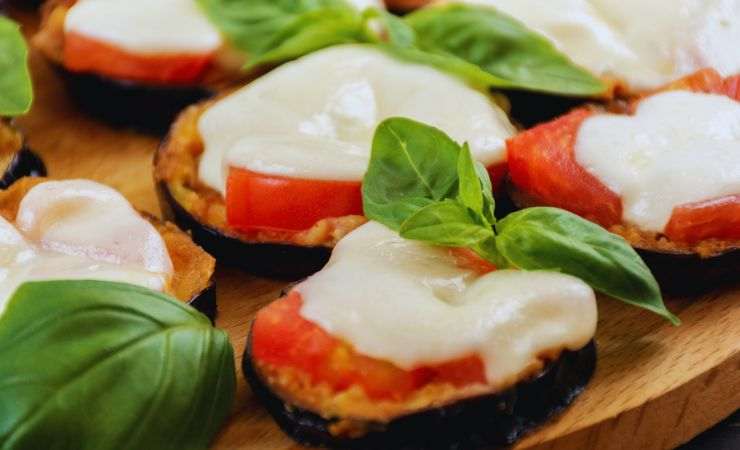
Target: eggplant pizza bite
[
  {"x": 136, "y": 62},
  {"x": 16, "y": 160},
  {"x": 269, "y": 176},
  {"x": 665, "y": 175},
  {"x": 400, "y": 344},
  {"x": 80, "y": 229}
]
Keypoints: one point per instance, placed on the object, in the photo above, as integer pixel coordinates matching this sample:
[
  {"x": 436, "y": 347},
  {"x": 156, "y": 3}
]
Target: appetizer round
[
  {"x": 269, "y": 177},
  {"x": 80, "y": 229},
  {"x": 665, "y": 175},
  {"x": 16, "y": 160},
  {"x": 136, "y": 62},
  {"x": 399, "y": 344}
]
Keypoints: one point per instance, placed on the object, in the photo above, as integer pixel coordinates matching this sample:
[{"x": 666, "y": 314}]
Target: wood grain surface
[{"x": 656, "y": 386}]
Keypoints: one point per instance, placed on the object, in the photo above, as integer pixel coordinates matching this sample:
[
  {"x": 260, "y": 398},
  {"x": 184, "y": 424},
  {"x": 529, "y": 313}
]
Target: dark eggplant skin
[
  {"x": 281, "y": 261},
  {"x": 532, "y": 108},
  {"x": 25, "y": 163},
  {"x": 145, "y": 107},
  {"x": 494, "y": 420},
  {"x": 677, "y": 272},
  {"x": 685, "y": 273},
  {"x": 205, "y": 302}
]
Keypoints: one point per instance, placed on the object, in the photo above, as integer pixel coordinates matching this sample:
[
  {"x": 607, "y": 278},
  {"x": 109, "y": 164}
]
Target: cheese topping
[
  {"x": 315, "y": 117},
  {"x": 646, "y": 43},
  {"x": 679, "y": 148},
  {"x": 80, "y": 229},
  {"x": 145, "y": 26},
  {"x": 408, "y": 303}
]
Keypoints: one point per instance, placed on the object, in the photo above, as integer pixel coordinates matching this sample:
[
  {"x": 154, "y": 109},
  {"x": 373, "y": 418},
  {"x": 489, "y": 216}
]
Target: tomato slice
[
  {"x": 83, "y": 54},
  {"x": 714, "y": 219},
  {"x": 542, "y": 165},
  {"x": 281, "y": 337},
  {"x": 256, "y": 201},
  {"x": 261, "y": 202}
]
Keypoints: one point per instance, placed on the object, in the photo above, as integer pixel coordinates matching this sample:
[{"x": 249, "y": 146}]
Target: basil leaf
[
  {"x": 16, "y": 93},
  {"x": 446, "y": 223},
  {"x": 489, "y": 203},
  {"x": 278, "y": 30},
  {"x": 412, "y": 165},
  {"x": 90, "y": 365},
  {"x": 310, "y": 32},
  {"x": 513, "y": 55},
  {"x": 395, "y": 31},
  {"x": 470, "y": 192},
  {"x": 557, "y": 240}
]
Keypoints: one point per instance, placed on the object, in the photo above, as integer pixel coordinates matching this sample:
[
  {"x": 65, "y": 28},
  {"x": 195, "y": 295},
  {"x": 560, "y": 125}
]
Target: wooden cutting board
[{"x": 656, "y": 386}]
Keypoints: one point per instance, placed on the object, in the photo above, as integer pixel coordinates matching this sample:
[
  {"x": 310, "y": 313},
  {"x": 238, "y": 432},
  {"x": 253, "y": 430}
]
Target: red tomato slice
[
  {"x": 259, "y": 202},
  {"x": 83, "y": 54},
  {"x": 497, "y": 173},
  {"x": 281, "y": 337},
  {"x": 714, "y": 219},
  {"x": 542, "y": 165},
  {"x": 256, "y": 201}
]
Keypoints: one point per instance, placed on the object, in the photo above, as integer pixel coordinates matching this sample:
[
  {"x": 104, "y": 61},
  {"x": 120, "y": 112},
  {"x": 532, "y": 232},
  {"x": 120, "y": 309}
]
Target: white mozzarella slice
[
  {"x": 315, "y": 117},
  {"x": 408, "y": 303},
  {"x": 145, "y": 26},
  {"x": 679, "y": 148},
  {"x": 80, "y": 229},
  {"x": 645, "y": 43},
  {"x": 85, "y": 218}
]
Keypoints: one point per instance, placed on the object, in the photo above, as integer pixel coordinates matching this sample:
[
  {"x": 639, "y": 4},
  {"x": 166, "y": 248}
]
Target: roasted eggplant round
[
  {"x": 497, "y": 419},
  {"x": 193, "y": 280},
  {"x": 199, "y": 209},
  {"x": 149, "y": 106},
  {"x": 16, "y": 159}
]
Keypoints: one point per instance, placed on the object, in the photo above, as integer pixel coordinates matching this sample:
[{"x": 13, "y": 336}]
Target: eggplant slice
[
  {"x": 194, "y": 275},
  {"x": 16, "y": 159},
  {"x": 25, "y": 163},
  {"x": 201, "y": 210},
  {"x": 679, "y": 268},
  {"x": 146, "y": 107},
  {"x": 498, "y": 419},
  {"x": 272, "y": 260}
]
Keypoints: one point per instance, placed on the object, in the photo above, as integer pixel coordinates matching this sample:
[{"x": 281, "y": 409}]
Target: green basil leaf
[
  {"x": 16, "y": 93},
  {"x": 470, "y": 191},
  {"x": 451, "y": 64},
  {"x": 412, "y": 165},
  {"x": 557, "y": 240},
  {"x": 446, "y": 223},
  {"x": 489, "y": 203},
  {"x": 395, "y": 31},
  {"x": 311, "y": 31},
  {"x": 90, "y": 365},
  {"x": 276, "y": 30},
  {"x": 513, "y": 55}
]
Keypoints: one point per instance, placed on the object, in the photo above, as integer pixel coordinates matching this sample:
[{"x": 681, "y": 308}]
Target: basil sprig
[
  {"x": 90, "y": 365},
  {"x": 478, "y": 43},
  {"x": 428, "y": 188},
  {"x": 16, "y": 93}
]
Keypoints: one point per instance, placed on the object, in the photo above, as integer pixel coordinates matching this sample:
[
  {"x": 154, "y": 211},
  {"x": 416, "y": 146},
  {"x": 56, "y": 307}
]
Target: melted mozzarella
[
  {"x": 408, "y": 303},
  {"x": 315, "y": 117},
  {"x": 145, "y": 26},
  {"x": 80, "y": 229},
  {"x": 679, "y": 148},
  {"x": 645, "y": 43}
]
